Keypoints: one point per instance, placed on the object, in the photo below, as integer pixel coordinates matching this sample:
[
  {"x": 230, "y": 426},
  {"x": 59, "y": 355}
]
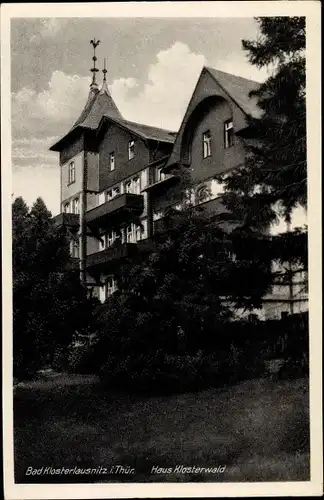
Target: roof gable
[
  {"x": 238, "y": 89},
  {"x": 99, "y": 103},
  {"x": 214, "y": 83}
]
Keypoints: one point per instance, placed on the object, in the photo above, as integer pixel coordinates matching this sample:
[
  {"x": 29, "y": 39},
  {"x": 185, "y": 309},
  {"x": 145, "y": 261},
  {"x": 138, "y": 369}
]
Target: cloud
[
  {"x": 165, "y": 95},
  {"x": 25, "y": 151},
  {"x": 160, "y": 101},
  {"x": 50, "y": 110},
  {"x": 48, "y": 28}
]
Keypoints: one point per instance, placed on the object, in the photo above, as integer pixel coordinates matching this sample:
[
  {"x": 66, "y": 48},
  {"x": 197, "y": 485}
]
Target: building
[{"x": 116, "y": 176}]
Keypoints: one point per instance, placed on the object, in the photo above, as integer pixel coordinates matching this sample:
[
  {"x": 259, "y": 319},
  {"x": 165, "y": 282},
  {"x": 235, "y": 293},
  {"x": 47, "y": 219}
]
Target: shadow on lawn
[{"x": 258, "y": 429}]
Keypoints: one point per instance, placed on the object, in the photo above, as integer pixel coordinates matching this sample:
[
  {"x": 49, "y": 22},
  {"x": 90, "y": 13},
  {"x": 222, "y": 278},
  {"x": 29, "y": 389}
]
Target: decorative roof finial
[
  {"x": 104, "y": 70},
  {"x": 94, "y": 70},
  {"x": 104, "y": 88}
]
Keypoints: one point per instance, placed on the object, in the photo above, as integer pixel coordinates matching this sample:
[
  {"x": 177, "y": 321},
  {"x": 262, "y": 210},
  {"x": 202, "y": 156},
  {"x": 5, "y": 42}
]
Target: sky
[{"x": 152, "y": 68}]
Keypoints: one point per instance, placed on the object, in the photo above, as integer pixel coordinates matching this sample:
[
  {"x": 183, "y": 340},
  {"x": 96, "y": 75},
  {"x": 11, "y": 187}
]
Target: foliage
[
  {"x": 82, "y": 359},
  {"x": 49, "y": 304},
  {"x": 242, "y": 352},
  {"x": 273, "y": 180},
  {"x": 179, "y": 296}
]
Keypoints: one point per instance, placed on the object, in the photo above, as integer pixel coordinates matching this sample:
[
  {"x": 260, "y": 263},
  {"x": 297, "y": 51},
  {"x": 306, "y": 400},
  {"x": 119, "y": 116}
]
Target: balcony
[
  {"x": 103, "y": 259},
  {"x": 163, "y": 184},
  {"x": 121, "y": 207},
  {"x": 99, "y": 259},
  {"x": 67, "y": 220},
  {"x": 211, "y": 209}
]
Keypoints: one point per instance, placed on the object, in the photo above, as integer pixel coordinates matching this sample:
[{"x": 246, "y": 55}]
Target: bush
[
  {"x": 152, "y": 372},
  {"x": 294, "y": 368},
  {"x": 164, "y": 373},
  {"x": 83, "y": 360},
  {"x": 241, "y": 351},
  {"x": 60, "y": 360}
]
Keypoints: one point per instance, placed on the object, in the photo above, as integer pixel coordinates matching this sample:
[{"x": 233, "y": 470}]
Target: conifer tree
[
  {"x": 49, "y": 304},
  {"x": 273, "y": 181}
]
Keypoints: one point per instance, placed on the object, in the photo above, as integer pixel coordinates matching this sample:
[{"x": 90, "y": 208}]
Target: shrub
[
  {"x": 83, "y": 359},
  {"x": 294, "y": 368},
  {"x": 152, "y": 372},
  {"x": 164, "y": 373},
  {"x": 60, "y": 361}
]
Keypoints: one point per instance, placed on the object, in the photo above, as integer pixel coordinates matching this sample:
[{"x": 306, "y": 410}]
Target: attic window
[
  {"x": 112, "y": 161},
  {"x": 71, "y": 177},
  {"x": 207, "y": 144},
  {"x": 131, "y": 149},
  {"x": 228, "y": 134}
]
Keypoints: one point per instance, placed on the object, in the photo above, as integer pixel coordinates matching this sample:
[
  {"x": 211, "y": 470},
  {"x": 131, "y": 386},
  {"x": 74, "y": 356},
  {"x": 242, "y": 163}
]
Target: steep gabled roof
[
  {"x": 144, "y": 131},
  {"x": 213, "y": 82},
  {"x": 238, "y": 89},
  {"x": 99, "y": 103},
  {"x": 97, "y": 106}
]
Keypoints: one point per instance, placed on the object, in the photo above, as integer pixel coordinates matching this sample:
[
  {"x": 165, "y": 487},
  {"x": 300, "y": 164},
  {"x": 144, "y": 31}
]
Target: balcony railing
[
  {"x": 118, "y": 207},
  {"x": 111, "y": 253},
  {"x": 67, "y": 220},
  {"x": 163, "y": 184},
  {"x": 209, "y": 208},
  {"x": 116, "y": 252}
]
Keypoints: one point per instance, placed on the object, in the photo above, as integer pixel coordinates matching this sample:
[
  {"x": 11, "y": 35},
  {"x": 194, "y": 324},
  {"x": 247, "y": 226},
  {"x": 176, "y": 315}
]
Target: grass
[{"x": 258, "y": 429}]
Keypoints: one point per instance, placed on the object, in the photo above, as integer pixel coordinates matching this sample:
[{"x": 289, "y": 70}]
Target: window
[
  {"x": 75, "y": 249},
  {"x": 138, "y": 233},
  {"x": 202, "y": 193},
  {"x": 128, "y": 187},
  {"x": 160, "y": 174},
  {"x": 136, "y": 185},
  {"x": 112, "y": 161},
  {"x": 76, "y": 206},
  {"x": 118, "y": 236},
  {"x": 71, "y": 172},
  {"x": 129, "y": 234},
  {"x": 144, "y": 229},
  {"x": 228, "y": 134},
  {"x": 110, "y": 287},
  {"x": 144, "y": 178},
  {"x": 131, "y": 150},
  {"x": 66, "y": 208},
  {"x": 102, "y": 242},
  {"x": 116, "y": 191},
  {"x": 109, "y": 195},
  {"x": 207, "y": 144},
  {"x": 110, "y": 238}
]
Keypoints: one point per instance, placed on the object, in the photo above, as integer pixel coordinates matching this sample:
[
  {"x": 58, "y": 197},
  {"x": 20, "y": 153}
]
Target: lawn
[{"x": 257, "y": 430}]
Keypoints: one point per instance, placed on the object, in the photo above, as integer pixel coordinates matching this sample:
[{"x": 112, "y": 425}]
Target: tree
[
  {"x": 49, "y": 303},
  {"x": 273, "y": 181},
  {"x": 181, "y": 295}
]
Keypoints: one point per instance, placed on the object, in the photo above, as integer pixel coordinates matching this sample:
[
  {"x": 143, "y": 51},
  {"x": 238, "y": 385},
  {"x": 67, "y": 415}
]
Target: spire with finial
[
  {"x": 94, "y": 70},
  {"x": 104, "y": 87}
]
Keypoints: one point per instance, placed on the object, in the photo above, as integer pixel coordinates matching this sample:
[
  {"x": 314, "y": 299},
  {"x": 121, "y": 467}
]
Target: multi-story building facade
[{"x": 117, "y": 177}]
